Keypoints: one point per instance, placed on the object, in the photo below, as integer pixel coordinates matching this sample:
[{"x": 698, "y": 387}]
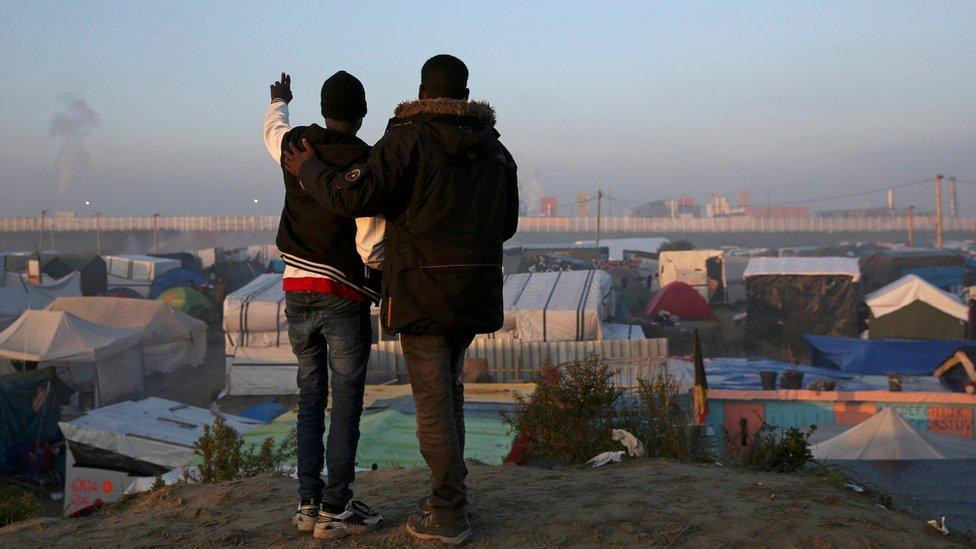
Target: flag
[{"x": 701, "y": 384}]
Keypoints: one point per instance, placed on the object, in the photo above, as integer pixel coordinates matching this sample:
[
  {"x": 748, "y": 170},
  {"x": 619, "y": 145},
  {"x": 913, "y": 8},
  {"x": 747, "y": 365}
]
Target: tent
[
  {"x": 18, "y": 295},
  {"x": 191, "y": 302},
  {"x": 170, "y": 339},
  {"x": 126, "y": 293},
  {"x": 557, "y": 306},
  {"x": 912, "y": 308},
  {"x": 109, "y": 449},
  {"x": 704, "y": 270},
  {"x": 106, "y": 362},
  {"x": 681, "y": 300},
  {"x": 56, "y": 268},
  {"x": 29, "y": 434},
  {"x": 254, "y": 316},
  {"x": 884, "y": 436},
  {"x": 94, "y": 277},
  {"x": 881, "y": 356},
  {"x": 790, "y": 296},
  {"x": 137, "y": 272},
  {"x": 942, "y": 268},
  {"x": 175, "y": 278}
]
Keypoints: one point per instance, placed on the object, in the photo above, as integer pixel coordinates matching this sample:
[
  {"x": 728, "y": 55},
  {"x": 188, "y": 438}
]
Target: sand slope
[{"x": 643, "y": 502}]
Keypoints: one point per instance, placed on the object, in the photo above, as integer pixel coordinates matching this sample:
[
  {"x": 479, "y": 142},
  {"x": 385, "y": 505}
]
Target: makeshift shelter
[
  {"x": 187, "y": 260},
  {"x": 884, "y": 436},
  {"x": 17, "y": 295},
  {"x": 881, "y": 356},
  {"x": 703, "y": 270},
  {"x": 790, "y": 296},
  {"x": 137, "y": 272},
  {"x": 94, "y": 277},
  {"x": 56, "y": 268},
  {"x": 680, "y": 300},
  {"x": 111, "y": 448},
  {"x": 912, "y": 308},
  {"x": 170, "y": 339},
  {"x": 175, "y": 278},
  {"x": 103, "y": 361},
  {"x": 29, "y": 435},
  {"x": 254, "y": 316},
  {"x": 557, "y": 306},
  {"x": 942, "y": 268},
  {"x": 191, "y": 302}
]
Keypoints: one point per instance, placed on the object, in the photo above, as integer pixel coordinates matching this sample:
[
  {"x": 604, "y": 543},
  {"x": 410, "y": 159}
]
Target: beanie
[{"x": 343, "y": 97}]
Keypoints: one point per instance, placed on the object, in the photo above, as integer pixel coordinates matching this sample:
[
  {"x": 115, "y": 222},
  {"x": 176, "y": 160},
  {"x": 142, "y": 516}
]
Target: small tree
[
  {"x": 676, "y": 245},
  {"x": 225, "y": 458}
]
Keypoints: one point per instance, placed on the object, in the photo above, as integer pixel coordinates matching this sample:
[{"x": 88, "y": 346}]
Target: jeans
[
  {"x": 328, "y": 333},
  {"x": 435, "y": 365}
]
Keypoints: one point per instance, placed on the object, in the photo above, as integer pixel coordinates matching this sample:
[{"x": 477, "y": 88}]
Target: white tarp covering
[
  {"x": 264, "y": 371},
  {"x": 170, "y": 339},
  {"x": 254, "y": 316},
  {"x": 17, "y": 295},
  {"x": 689, "y": 266},
  {"x": 909, "y": 289},
  {"x": 557, "y": 306},
  {"x": 136, "y": 272},
  {"x": 884, "y": 436},
  {"x": 804, "y": 266}
]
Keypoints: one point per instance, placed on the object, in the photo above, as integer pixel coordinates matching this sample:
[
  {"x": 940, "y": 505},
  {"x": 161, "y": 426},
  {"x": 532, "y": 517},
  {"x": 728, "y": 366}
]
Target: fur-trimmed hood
[{"x": 451, "y": 107}]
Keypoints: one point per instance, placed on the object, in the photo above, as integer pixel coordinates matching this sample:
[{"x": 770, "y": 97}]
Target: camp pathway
[{"x": 642, "y": 502}]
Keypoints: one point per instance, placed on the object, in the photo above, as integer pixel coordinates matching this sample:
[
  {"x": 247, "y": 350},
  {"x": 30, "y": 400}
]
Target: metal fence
[{"x": 526, "y": 224}]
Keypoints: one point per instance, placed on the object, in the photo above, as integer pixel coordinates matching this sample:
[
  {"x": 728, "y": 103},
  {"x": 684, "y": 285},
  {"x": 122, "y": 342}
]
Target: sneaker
[
  {"x": 304, "y": 519},
  {"x": 356, "y": 518},
  {"x": 424, "y": 506},
  {"x": 434, "y": 526}
]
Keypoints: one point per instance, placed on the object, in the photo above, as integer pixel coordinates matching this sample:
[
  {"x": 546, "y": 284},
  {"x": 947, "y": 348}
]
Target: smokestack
[
  {"x": 891, "y": 198},
  {"x": 582, "y": 204},
  {"x": 953, "y": 204}
]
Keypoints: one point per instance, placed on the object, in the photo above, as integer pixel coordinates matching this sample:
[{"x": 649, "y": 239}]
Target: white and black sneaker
[
  {"x": 356, "y": 518},
  {"x": 307, "y": 514}
]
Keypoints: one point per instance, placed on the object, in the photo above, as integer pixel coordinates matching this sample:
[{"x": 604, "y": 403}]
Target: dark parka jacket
[{"x": 449, "y": 192}]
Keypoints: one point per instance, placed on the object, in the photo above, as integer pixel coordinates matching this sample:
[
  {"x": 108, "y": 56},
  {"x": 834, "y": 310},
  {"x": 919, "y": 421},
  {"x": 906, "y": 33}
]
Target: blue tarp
[
  {"x": 29, "y": 415},
  {"x": 881, "y": 356},
  {"x": 943, "y": 277},
  {"x": 175, "y": 278}
]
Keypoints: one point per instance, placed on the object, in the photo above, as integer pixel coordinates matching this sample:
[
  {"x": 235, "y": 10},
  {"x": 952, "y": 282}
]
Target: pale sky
[{"x": 647, "y": 100}]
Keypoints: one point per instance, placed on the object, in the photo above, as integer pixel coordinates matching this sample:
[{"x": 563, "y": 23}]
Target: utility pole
[
  {"x": 953, "y": 205},
  {"x": 98, "y": 233},
  {"x": 40, "y": 234},
  {"x": 911, "y": 227},
  {"x": 938, "y": 211},
  {"x": 599, "y": 211},
  {"x": 155, "y": 233}
]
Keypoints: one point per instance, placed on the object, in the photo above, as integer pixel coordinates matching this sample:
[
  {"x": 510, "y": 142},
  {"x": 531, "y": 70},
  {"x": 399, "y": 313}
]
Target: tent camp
[
  {"x": 888, "y": 436},
  {"x": 911, "y": 308},
  {"x": 254, "y": 316},
  {"x": 175, "y": 278},
  {"x": 790, "y": 296},
  {"x": 170, "y": 339},
  {"x": 17, "y": 295},
  {"x": 703, "y": 270},
  {"x": 557, "y": 306},
  {"x": 103, "y": 361},
  {"x": 136, "y": 272},
  {"x": 110, "y": 448},
  {"x": 942, "y": 268},
  {"x": 881, "y": 356},
  {"x": 680, "y": 300},
  {"x": 190, "y": 302}
]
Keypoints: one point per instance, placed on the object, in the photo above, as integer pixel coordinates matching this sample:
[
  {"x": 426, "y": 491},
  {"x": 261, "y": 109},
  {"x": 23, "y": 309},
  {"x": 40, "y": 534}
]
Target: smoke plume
[
  {"x": 71, "y": 126},
  {"x": 530, "y": 191}
]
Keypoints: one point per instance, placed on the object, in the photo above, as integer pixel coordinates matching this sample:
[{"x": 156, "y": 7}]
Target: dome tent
[
  {"x": 191, "y": 302},
  {"x": 681, "y": 300}
]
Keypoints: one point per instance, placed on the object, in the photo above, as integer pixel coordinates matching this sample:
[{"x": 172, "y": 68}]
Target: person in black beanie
[{"x": 329, "y": 282}]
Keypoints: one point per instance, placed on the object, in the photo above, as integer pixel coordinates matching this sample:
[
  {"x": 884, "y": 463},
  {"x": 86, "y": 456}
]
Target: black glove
[{"x": 282, "y": 89}]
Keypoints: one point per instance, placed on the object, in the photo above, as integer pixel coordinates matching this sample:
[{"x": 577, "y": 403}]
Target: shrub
[
  {"x": 17, "y": 504},
  {"x": 677, "y": 245},
  {"x": 779, "y": 451},
  {"x": 224, "y": 457},
  {"x": 664, "y": 425},
  {"x": 570, "y": 415}
]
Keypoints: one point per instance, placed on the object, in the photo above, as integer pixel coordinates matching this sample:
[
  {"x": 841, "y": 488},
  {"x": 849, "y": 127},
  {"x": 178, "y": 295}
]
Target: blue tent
[
  {"x": 881, "y": 356},
  {"x": 29, "y": 415},
  {"x": 175, "y": 278},
  {"x": 943, "y": 276}
]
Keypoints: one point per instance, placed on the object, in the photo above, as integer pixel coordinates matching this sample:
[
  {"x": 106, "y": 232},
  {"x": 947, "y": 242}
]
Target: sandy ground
[{"x": 642, "y": 502}]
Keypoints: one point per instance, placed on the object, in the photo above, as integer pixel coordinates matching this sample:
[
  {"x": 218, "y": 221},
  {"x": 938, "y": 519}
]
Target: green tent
[
  {"x": 191, "y": 302},
  {"x": 917, "y": 320}
]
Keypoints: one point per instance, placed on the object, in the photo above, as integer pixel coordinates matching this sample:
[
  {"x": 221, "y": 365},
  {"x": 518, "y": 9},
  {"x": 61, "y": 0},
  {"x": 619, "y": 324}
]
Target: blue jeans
[{"x": 328, "y": 333}]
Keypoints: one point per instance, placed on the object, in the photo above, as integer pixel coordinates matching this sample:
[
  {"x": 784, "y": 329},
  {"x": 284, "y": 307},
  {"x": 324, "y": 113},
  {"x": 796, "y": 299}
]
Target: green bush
[
  {"x": 224, "y": 457},
  {"x": 779, "y": 451},
  {"x": 17, "y": 504},
  {"x": 571, "y": 413},
  {"x": 664, "y": 425}
]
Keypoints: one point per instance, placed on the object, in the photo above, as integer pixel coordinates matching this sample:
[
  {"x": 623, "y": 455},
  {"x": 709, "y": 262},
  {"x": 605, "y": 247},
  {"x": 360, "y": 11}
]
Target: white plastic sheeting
[
  {"x": 884, "y": 436},
  {"x": 254, "y": 316},
  {"x": 136, "y": 272},
  {"x": 17, "y": 295},
  {"x": 557, "y": 306},
  {"x": 909, "y": 289},
  {"x": 804, "y": 266},
  {"x": 170, "y": 339},
  {"x": 689, "y": 266}
]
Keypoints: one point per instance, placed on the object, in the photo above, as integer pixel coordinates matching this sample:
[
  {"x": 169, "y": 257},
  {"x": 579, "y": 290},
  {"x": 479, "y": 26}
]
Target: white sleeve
[
  {"x": 371, "y": 240},
  {"x": 275, "y": 127}
]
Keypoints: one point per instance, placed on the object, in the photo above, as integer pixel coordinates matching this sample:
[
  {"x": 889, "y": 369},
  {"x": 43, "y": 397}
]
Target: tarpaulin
[
  {"x": 29, "y": 415},
  {"x": 943, "y": 277},
  {"x": 881, "y": 356}
]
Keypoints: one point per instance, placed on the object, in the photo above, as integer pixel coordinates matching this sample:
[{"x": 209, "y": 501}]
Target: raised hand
[{"x": 282, "y": 89}]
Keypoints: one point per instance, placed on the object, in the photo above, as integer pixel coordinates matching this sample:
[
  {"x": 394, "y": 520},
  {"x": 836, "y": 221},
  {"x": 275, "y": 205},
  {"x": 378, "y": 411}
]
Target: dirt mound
[{"x": 642, "y": 502}]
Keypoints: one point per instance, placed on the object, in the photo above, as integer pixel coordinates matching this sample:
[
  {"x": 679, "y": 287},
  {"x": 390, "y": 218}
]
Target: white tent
[
  {"x": 170, "y": 339},
  {"x": 803, "y": 266},
  {"x": 254, "y": 316},
  {"x": 17, "y": 295},
  {"x": 136, "y": 272},
  {"x": 104, "y": 361},
  {"x": 109, "y": 449},
  {"x": 557, "y": 306},
  {"x": 909, "y": 289},
  {"x": 884, "y": 436},
  {"x": 690, "y": 267}
]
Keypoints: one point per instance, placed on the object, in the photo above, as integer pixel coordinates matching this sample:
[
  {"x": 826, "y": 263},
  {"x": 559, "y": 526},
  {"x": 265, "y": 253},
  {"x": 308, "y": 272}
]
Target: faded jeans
[{"x": 328, "y": 334}]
